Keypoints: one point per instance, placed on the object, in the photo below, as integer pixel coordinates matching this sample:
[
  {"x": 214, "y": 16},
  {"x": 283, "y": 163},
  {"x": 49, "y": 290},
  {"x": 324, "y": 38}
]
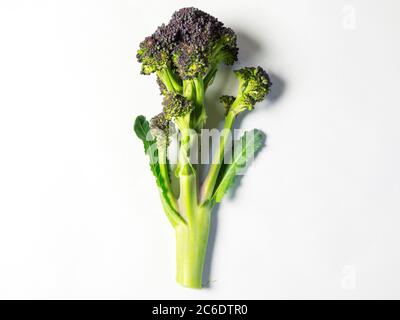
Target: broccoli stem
[
  {"x": 192, "y": 236},
  {"x": 188, "y": 196},
  {"x": 173, "y": 216},
  {"x": 186, "y": 172},
  {"x": 187, "y": 178},
  {"x": 164, "y": 171},
  {"x": 193, "y": 89},
  {"x": 209, "y": 78},
  {"x": 191, "y": 248},
  {"x": 211, "y": 178},
  {"x": 200, "y": 111},
  {"x": 170, "y": 80}
]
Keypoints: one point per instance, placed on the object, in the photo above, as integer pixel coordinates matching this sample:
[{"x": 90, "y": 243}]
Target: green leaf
[
  {"x": 249, "y": 144},
  {"x": 142, "y": 129}
]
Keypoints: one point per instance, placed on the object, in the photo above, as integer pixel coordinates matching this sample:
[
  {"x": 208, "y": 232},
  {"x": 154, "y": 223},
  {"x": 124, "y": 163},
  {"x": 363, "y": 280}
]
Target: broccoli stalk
[
  {"x": 170, "y": 80},
  {"x": 185, "y": 55},
  {"x": 254, "y": 85}
]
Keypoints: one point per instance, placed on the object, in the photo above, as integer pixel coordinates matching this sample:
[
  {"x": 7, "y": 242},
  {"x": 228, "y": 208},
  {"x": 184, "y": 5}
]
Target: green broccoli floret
[
  {"x": 177, "y": 108},
  {"x": 163, "y": 88},
  {"x": 191, "y": 43},
  {"x": 254, "y": 84},
  {"x": 159, "y": 128},
  {"x": 151, "y": 56},
  {"x": 227, "y": 101},
  {"x": 155, "y": 57}
]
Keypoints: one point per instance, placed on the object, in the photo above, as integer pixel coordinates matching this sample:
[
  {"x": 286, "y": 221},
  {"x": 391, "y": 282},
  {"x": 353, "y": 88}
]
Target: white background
[{"x": 316, "y": 216}]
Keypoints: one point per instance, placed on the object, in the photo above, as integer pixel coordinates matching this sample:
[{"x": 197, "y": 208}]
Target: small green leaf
[
  {"x": 142, "y": 129},
  {"x": 249, "y": 144}
]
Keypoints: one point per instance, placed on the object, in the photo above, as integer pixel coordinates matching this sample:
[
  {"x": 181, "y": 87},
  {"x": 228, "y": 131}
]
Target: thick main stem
[
  {"x": 191, "y": 237},
  {"x": 191, "y": 248}
]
